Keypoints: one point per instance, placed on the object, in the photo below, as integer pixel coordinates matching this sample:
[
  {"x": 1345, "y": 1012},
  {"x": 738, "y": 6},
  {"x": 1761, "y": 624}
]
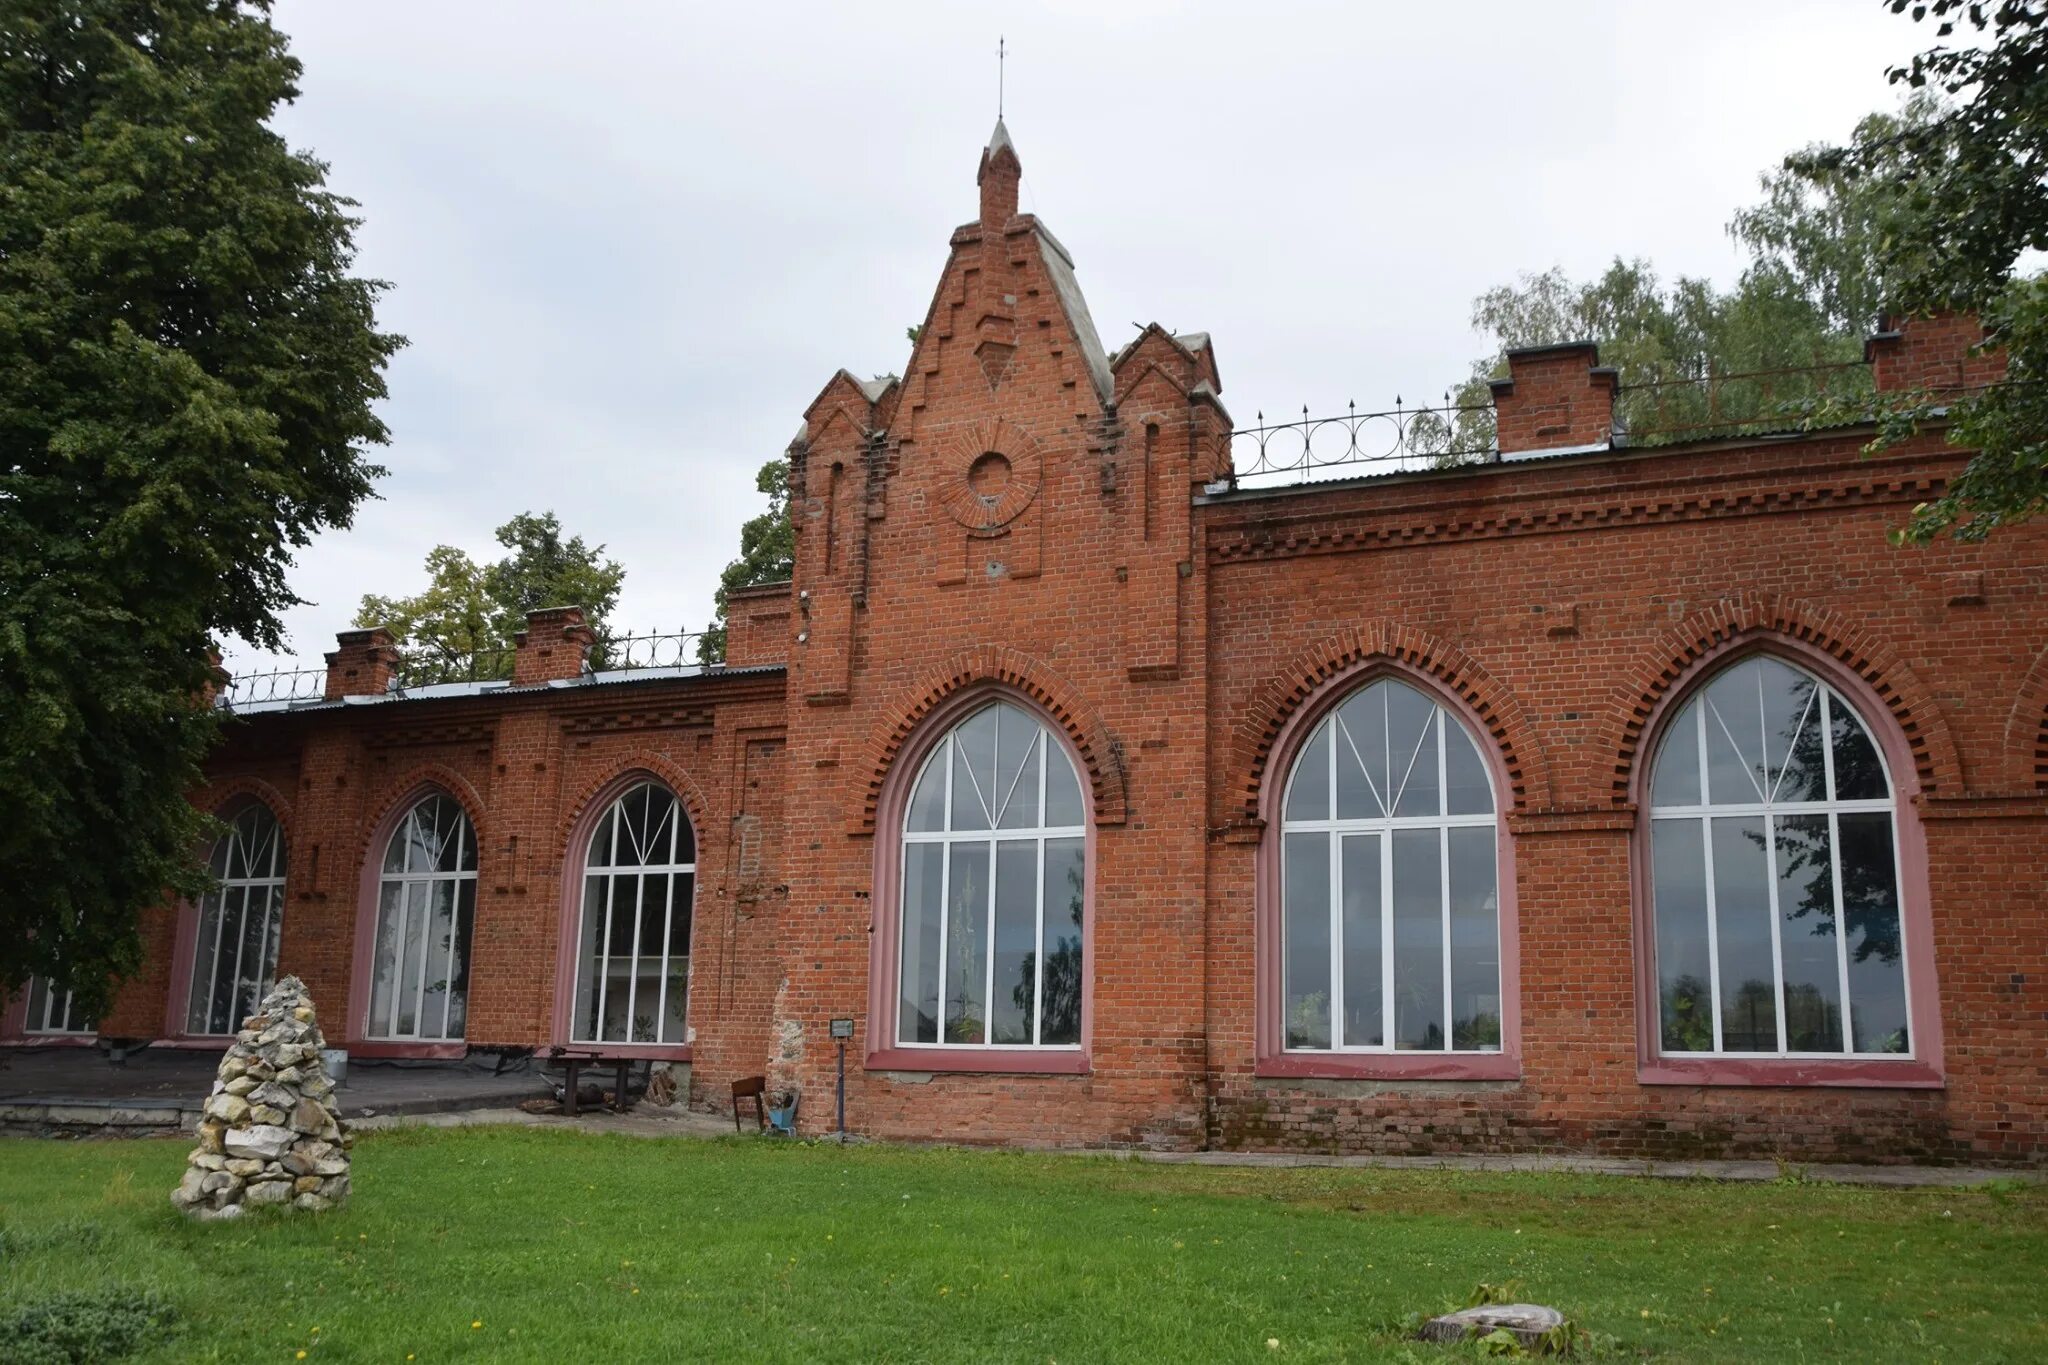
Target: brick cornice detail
[
  {"x": 1763, "y": 618},
  {"x": 993, "y": 664},
  {"x": 1316, "y": 534},
  {"x": 1297, "y": 681}
]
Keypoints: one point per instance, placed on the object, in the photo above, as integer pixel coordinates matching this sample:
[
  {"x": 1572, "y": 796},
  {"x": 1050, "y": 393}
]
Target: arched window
[
  {"x": 1390, "y": 883},
  {"x": 426, "y": 904},
  {"x": 234, "y": 949},
  {"x": 994, "y": 877},
  {"x": 1775, "y": 874},
  {"x": 633, "y": 943}
]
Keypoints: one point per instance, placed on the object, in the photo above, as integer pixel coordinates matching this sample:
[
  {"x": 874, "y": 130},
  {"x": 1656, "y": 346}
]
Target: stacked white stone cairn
[{"x": 269, "y": 1133}]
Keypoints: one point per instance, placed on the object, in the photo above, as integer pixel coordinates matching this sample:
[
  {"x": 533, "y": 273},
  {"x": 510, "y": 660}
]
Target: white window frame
[
  {"x": 271, "y": 883},
  {"x": 466, "y": 839},
  {"x": 611, "y": 869},
  {"x": 1382, "y": 828},
  {"x": 64, "y": 1026},
  {"x": 1772, "y": 810},
  {"x": 990, "y": 838}
]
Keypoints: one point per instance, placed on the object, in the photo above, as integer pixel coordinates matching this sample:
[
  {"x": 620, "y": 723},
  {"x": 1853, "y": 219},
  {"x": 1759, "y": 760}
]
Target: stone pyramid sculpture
[{"x": 269, "y": 1134}]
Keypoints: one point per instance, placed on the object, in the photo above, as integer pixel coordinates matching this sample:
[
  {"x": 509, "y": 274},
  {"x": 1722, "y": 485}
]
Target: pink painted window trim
[
  {"x": 1923, "y": 1070},
  {"x": 1271, "y": 1058},
  {"x": 574, "y": 859},
  {"x": 362, "y": 957},
  {"x": 886, "y": 910}
]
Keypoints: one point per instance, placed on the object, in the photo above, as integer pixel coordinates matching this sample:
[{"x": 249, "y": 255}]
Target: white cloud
[{"x": 629, "y": 242}]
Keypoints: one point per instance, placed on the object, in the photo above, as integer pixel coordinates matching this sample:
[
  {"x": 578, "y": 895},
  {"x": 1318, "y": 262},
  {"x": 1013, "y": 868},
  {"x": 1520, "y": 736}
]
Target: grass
[{"x": 507, "y": 1244}]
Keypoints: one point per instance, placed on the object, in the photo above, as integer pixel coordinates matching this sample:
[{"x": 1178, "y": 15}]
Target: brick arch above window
[
  {"x": 217, "y": 797},
  {"x": 992, "y": 664},
  {"x": 594, "y": 796},
  {"x": 1762, "y": 619},
  {"x": 398, "y": 795},
  {"x": 2026, "y": 731},
  {"x": 1309, "y": 672}
]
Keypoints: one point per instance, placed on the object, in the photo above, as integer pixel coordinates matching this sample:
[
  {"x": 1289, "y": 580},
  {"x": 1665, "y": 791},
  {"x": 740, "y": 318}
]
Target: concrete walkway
[{"x": 650, "y": 1122}]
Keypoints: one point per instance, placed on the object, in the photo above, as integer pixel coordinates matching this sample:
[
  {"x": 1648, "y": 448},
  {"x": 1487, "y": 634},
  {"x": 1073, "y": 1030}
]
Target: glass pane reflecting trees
[
  {"x": 994, "y": 877},
  {"x": 234, "y": 950},
  {"x": 633, "y": 953},
  {"x": 1774, "y": 873},
  {"x": 426, "y": 905},
  {"x": 1389, "y": 882}
]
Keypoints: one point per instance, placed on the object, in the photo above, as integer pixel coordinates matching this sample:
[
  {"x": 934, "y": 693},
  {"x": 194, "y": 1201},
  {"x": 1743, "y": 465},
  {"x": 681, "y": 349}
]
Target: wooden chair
[{"x": 755, "y": 1086}]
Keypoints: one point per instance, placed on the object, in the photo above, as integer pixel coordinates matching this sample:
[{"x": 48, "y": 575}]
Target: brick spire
[{"x": 1000, "y": 171}]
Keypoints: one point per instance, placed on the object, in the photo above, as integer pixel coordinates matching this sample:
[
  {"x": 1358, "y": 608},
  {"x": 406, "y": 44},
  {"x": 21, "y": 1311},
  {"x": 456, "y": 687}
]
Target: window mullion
[
  {"x": 1777, "y": 938},
  {"x": 1443, "y": 851},
  {"x": 945, "y": 900},
  {"x": 1384, "y": 850},
  {"x": 1336, "y": 912},
  {"x": 1045, "y": 757},
  {"x": 1038, "y": 955},
  {"x": 988, "y": 966},
  {"x": 668, "y": 937},
  {"x": 1827, "y": 752},
  {"x": 1707, "y": 859},
  {"x": 419, "y": 1005}
]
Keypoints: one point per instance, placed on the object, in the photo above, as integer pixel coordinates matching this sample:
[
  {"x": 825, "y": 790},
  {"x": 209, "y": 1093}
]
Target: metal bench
[{"x": 573, "y": 1064}]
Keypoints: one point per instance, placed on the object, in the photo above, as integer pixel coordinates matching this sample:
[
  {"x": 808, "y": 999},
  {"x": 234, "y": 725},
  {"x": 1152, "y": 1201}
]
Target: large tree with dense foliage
[
  {"x": 1818, "y": 273},
  {"x": 767, "y": 554},
  {"x": 188, "y": 373},
  {"x": 464, "y": 620},
  {"x": 1974, "y": 183}
]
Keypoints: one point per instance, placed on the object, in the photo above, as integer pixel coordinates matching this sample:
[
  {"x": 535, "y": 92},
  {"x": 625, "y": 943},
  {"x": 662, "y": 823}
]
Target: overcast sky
[{"x": 630, "y": 242}]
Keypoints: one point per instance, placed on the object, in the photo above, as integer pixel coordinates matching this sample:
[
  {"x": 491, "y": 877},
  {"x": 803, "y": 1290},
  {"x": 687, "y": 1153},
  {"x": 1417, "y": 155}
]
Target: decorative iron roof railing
[
  {"x": 1279, "y": 453},
  {"x": 615, "y": 653},
  {"x": 283, "y": 685},
  {"x": 655, "y": 649}
]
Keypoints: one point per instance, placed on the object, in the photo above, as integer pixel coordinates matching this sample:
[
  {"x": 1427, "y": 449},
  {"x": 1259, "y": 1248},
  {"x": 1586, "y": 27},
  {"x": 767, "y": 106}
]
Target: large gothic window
[
  {"x": 1390, "y": 883},
  {"x": 633, "y": 944},
  {"x": 1775, "y": 874},
  {"x": 234, "y": 949},
  {"x": 993, "y": 887},
  {"x": 426, "y": 904}
]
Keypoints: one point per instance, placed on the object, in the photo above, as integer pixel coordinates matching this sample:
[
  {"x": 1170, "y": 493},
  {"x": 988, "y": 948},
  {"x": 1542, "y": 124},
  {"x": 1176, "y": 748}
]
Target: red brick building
[{"x": 1598, "y": 795}]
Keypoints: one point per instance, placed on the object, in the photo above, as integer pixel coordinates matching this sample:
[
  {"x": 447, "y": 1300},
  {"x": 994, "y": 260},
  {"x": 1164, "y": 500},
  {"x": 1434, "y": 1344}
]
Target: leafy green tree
[
  {"x": 1811, "y": 293},
  {"x": 462, "y": 624},
  {"x": 767, "y": 554},
  {"x": 188, "y": 373},
  {"x": 1976, "y": 198}
]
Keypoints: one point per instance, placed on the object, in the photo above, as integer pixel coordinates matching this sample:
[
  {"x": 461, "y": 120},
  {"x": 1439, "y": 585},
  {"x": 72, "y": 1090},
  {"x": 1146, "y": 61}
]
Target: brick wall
[{"x": 1022, "y": 512}]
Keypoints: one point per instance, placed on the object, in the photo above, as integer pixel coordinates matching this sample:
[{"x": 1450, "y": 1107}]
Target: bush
[{"x": 80, "y": 1326}]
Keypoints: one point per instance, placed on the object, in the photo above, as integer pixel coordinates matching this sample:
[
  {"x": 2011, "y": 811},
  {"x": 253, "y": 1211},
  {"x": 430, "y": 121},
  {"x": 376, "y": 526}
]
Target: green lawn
[{"x": 546, "y": 1244}]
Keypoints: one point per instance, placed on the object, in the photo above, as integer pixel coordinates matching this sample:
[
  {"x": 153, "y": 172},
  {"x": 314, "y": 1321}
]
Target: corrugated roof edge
[
  {"x": 1217, "y": 493},
  {"x": 450, "y": 691}
]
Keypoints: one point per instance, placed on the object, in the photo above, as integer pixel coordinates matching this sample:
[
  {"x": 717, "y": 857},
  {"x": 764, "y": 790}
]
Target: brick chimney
[
  {"x": 1555, "y": 399},
  {"x": 361, "y": 664},
  {"x": 999, "y": 176},
  {"x": 1932, "y": 353},
  {"x": 553, "y": 646}
]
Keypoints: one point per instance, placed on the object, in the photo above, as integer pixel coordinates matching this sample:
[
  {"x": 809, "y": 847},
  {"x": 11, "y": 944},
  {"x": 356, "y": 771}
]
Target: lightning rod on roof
[{"x": 999, "y": 77}]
